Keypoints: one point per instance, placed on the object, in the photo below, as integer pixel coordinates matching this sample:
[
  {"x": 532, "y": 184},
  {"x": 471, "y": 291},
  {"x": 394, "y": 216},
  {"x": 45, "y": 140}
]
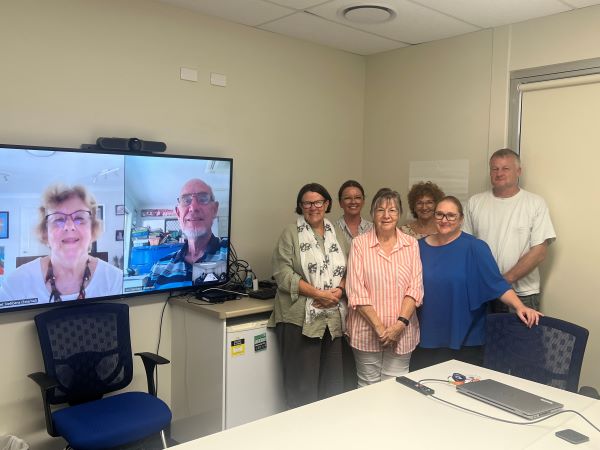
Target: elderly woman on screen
[
  {"x": 309, "y": 315},
  {"x": 384, "y": 289},
  {"x": 351, "y": 196},
  {"x": 422, "y": 199},
  {"x": 460, "y": 277},
  {"x": 68, "y": 225}
]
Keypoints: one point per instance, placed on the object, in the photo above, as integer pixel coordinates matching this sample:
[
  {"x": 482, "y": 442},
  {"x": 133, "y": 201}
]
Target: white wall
[{"x": 73, "y": 70}]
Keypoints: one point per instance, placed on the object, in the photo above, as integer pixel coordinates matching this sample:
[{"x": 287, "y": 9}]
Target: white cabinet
[{"x": 225, "y": 367}]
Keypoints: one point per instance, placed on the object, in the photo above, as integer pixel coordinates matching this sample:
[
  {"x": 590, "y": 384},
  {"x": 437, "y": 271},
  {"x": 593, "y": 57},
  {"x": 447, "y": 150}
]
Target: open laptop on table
[{"x": 516, "y": 401}]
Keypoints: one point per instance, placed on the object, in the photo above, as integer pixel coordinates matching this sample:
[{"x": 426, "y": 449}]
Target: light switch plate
[
  {"x": 189, "y": 74},
  {"x": 218, "y": 79}
]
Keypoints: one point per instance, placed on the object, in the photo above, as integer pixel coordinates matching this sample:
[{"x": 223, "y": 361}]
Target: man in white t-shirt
[{"x": 515, "y": 224}]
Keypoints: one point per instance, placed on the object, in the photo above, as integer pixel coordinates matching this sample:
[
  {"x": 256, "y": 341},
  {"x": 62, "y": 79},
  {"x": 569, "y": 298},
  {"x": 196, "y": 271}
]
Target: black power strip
[
  {"x": 263, "y": 293},
  {"x": 414, "y": 385}
]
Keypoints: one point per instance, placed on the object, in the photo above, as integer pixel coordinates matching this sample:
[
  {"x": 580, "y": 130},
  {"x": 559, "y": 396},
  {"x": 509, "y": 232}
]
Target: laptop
[{"x": 516, "y": 401}]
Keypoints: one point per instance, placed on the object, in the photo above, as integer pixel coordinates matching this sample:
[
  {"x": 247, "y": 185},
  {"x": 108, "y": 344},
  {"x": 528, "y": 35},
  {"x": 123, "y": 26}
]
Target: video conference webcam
[{"x": 127, "y": 145}]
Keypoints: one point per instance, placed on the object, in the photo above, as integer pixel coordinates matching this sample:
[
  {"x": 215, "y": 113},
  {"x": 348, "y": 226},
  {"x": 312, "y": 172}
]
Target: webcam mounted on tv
[{"x": 133, "y": 145}]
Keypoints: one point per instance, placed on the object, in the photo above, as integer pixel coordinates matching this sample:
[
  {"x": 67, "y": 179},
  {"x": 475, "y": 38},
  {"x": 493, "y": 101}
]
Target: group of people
[
  {"x": 402, "y": 298},
  {"x": 357, "y": 301}
]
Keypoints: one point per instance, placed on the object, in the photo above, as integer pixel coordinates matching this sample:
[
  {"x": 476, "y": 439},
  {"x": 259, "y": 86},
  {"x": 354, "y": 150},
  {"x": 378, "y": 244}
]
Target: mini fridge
[{"x": 253, "y": 375}]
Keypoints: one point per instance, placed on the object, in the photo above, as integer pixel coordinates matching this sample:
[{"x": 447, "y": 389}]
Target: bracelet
[
  {"x": 404, "y": 320},
  {"x": 343, "y": 291}
]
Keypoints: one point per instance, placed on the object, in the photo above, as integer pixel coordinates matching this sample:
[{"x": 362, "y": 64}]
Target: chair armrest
[
  {"x": 157, "y": 359},
  {"x": 151, "y": 360},
  {"x": 46, "y": 383},
  {"x": 589, "y": 391}
]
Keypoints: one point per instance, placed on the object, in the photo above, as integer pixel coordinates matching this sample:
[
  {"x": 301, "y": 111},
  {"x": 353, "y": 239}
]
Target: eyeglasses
[
  {"x": 358, "y": 198},
  {"x": 316, "y": 204},
  {"x": 203, "y": 198},
  {"x": 59, "y": 220},
  {"x": 390, "y": 211},
  {"x": 450, "y": 217}
]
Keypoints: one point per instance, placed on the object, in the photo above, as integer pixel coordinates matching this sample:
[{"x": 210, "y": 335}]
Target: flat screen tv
[{"x": 92, "y": 224}]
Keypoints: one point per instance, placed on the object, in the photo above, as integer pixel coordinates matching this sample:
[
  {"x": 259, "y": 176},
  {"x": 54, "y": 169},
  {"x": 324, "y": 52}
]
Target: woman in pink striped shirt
[{"x": 385, "y": 286}]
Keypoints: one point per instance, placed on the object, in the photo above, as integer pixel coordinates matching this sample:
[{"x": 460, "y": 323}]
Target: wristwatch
[
  {"x": 343, "y": 291},
  {"x": 404, "y": 320}
]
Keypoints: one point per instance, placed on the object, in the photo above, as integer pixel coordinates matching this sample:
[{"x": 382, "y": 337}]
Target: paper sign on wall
[{"x": 451, "y": 175}]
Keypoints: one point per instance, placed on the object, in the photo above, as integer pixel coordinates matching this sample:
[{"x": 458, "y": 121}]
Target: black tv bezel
[{"x": 92, "y": 149}]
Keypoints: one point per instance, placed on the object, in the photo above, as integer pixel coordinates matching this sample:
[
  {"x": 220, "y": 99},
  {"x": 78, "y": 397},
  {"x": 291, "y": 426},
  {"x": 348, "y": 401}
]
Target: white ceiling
[{"x": 415, "y": 22}]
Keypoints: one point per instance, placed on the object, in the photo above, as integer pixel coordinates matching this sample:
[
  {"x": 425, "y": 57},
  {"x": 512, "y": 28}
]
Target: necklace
[{"x": 55, "y": 294}]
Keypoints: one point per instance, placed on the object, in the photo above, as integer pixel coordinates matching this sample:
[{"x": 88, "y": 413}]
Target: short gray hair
[{"x": 506, "y": 153}]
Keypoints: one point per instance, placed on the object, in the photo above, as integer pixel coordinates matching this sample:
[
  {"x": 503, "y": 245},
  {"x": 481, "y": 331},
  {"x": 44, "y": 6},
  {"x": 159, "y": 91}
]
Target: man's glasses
[
  {"x": 316, "y": 204},
  {"x": 59, "y": 220},
  {"x": 450, "y": 217},
  {"x": 203, "y": 198}
]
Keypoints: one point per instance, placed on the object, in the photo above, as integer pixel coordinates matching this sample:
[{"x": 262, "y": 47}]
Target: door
[{"x": 560, "y": 143}]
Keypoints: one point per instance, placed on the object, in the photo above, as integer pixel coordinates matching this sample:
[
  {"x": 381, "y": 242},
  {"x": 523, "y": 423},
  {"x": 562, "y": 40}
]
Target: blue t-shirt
[{"x": 459, "y": 279}]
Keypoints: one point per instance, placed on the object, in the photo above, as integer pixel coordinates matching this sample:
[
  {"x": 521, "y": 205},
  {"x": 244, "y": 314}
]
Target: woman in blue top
[{"x": 460, "y": 277}]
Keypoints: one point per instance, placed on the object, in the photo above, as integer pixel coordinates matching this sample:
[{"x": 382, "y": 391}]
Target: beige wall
[
  {"x": 429, "y": 102},
  {"x": 73, "y": 70}
]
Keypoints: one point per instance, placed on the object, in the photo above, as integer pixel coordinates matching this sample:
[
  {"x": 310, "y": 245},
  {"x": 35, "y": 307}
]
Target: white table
[{"x": 389, "y": 415}]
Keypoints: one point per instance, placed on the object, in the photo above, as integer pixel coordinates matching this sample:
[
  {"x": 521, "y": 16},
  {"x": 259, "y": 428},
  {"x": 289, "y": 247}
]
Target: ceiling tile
[
  {"x": 299, "y": 4},
  {"x": 247, "y": 12},
  {"x": 493, "y": 13},
  {"x": 581, "y": 3},
  {"x": 413, "y": 24},
  {"x": 311, "y": 28}
]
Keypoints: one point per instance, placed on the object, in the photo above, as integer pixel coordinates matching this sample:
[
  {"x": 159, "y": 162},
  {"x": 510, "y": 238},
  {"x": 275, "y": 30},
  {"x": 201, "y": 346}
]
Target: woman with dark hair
[
  {"x": 460, "y": 277},
  {"x": 309, "y": 316},
  {"x": 384, "y": 289},
  {"x": 422, "y": 199},
  {"x": 351, "y": 196}
]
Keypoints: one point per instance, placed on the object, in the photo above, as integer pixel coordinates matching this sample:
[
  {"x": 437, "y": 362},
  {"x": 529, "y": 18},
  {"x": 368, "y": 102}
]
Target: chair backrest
[
  {"x": 550, "y": 353},
  {"x": 87, "y": 348}
]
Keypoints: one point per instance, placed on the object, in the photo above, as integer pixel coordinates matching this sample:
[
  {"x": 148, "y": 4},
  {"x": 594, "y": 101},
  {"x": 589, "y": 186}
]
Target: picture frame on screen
[{"x": 62, "y": 196}]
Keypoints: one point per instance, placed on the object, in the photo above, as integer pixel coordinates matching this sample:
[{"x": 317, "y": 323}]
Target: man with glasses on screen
[
  {"x": 515, "y": 224},
  {"x": 196, "y": 210}
]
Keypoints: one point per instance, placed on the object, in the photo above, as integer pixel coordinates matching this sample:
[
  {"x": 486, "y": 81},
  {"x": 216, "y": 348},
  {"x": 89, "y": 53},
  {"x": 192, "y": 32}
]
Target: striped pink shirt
[{"x": 382, "y": 281}]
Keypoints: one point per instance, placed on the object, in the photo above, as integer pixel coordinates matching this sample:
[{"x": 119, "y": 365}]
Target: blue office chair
[
  {"x": 87, "y": 354},
  {"x": 550, "y": 353}
]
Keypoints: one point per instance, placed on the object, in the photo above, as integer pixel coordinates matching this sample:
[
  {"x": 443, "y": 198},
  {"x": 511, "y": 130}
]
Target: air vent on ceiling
[{"x": 367, "y": 14}]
